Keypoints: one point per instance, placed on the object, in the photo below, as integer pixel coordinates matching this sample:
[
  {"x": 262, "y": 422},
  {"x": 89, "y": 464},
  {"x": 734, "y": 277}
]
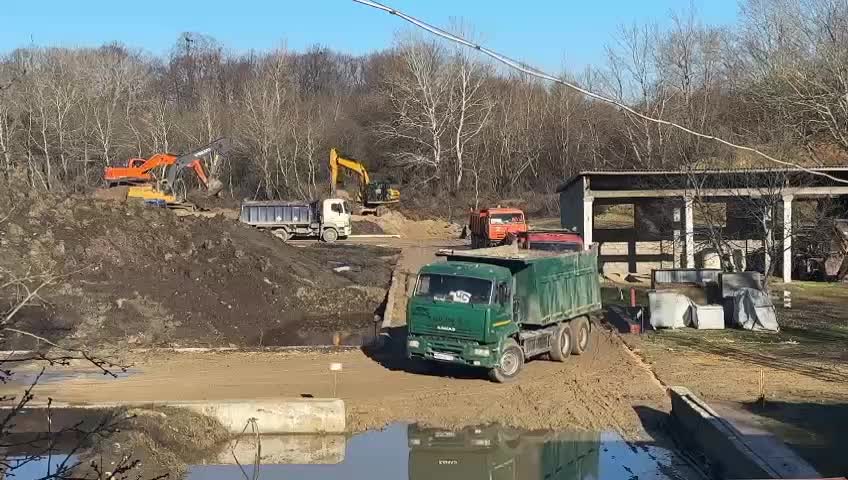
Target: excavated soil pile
[
  {"x": 394, "y": 222},
  {"x": 361, "y": 227},
  {"x": 143, "y": 276}
]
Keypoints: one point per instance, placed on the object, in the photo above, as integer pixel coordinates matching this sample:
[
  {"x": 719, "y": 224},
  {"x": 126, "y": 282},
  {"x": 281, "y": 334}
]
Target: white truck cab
[{"x": 335, "y": 219}]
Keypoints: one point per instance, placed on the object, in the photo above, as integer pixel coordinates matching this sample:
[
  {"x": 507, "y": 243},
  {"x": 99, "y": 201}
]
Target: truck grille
[{"x": 457, "y": 333}]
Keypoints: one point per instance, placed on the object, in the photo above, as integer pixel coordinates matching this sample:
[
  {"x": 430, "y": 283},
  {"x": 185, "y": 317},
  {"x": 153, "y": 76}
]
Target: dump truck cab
[
  {"x": 490, "y": 226},
  {"x": 469, "y": 302},
  {"x": 495, "y": 308}
]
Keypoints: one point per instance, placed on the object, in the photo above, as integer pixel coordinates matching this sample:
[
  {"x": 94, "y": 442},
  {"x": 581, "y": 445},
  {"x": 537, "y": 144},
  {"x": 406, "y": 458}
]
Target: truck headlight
[
  {"x": 481, "y": 352},
  {"x": 413, "y": 344},
  {"x": 481, "y": 442}
]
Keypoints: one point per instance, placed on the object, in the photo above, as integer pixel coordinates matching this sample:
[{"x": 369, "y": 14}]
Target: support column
[
  {"x": 787, "y": 238},
  {"x": 768, "y": 242},
  {"x": 588, "y": 217},
  {"x": 677, "y": 239},
  {"x": 690, "y": 232}
]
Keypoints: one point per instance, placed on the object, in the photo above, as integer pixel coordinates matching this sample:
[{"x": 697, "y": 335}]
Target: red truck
[
  {"x": 550, "y": 240},
  {"x": 489, "y": 226}
]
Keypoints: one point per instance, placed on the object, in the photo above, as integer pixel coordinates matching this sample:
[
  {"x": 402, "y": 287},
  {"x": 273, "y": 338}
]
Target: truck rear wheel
[
  {"x": 561, "y": 343},
  {"x": 579, "y": 335},
  {"x": 330, "y": 235},
  {"x": 510, "y": 363}
]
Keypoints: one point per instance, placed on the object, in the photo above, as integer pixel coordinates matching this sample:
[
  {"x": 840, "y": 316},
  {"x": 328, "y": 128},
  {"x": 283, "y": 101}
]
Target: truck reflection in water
[{"x": 500, "y": 453}]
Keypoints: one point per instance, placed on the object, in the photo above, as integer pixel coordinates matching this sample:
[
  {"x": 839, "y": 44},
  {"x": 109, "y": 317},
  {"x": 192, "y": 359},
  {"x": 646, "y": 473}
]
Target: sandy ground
[{"x": 602, "y": 390}]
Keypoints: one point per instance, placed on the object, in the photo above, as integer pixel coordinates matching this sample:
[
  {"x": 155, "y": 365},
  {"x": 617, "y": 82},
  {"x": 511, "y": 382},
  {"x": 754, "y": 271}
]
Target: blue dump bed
[{"x": 277, "y": 213}]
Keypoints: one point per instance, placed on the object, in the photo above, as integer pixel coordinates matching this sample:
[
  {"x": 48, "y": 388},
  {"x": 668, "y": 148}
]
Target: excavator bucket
[{"x": 213, "y": 187}]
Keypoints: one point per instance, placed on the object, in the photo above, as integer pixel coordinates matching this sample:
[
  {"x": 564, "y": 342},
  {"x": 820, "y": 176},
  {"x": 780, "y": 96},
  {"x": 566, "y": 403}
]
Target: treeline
[{"x": 449, "y": 126}]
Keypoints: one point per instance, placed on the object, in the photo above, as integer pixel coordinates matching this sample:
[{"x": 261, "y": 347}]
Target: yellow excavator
[{"x": 374, "y": 196}]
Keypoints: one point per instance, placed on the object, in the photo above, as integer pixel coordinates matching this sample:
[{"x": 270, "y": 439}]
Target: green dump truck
[
  {"x": 494, "y": 308},
  {"x": 495, "y": 453}
]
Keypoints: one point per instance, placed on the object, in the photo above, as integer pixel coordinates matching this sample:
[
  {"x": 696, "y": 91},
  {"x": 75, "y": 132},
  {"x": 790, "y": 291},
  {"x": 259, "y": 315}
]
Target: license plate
[{"x": 443, "y": 356}]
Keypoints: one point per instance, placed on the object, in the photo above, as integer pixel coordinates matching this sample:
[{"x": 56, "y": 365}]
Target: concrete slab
[
  {"x": 283, "y": 416},
  {"x": 765, "y": 444},
  {"x": 735, "y": 453}
]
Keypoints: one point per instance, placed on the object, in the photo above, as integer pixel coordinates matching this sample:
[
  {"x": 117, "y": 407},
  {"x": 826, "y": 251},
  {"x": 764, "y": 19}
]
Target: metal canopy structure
[{"x": 580, "y": 194}]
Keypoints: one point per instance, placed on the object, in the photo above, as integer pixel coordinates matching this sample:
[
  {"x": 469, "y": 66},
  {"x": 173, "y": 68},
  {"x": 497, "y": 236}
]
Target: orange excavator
[{"x": 156, "y": 178}]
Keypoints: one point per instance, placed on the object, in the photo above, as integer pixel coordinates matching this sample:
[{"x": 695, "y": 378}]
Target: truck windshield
[
  {"x": 501, "y": 218},
  {"x": 448, "y": 288}
]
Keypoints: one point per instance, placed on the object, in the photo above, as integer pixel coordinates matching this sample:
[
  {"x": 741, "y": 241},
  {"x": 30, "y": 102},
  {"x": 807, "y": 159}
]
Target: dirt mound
[
  {"x": 366, "y": 228},
  {"x": 143, "y": 276},
  {"x": 394, "y": 222}
]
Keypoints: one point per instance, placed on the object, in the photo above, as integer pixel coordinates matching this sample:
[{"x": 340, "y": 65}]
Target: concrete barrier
[
  {"x": 302, "y": 415},
  {"x": 732, "y": 454},
  {"x": 296, "y": 415}
]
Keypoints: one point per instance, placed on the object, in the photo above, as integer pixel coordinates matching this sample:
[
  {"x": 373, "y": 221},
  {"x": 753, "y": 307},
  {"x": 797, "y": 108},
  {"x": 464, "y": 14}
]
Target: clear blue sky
[{"x": 545, "y": 33}]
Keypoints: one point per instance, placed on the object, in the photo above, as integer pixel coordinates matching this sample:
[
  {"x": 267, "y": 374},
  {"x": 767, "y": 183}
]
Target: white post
[
  {"x": 690, "y": 232},
  {"x": 787, "y": 238},
  {"x": 588, "y": 214},
  {"x": 677, "y": 251},
  {"x": 768, "y": 242}
]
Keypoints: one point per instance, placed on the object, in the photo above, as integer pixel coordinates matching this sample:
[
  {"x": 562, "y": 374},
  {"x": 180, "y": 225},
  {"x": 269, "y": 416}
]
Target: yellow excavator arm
[{"x": 355, "y": 166}]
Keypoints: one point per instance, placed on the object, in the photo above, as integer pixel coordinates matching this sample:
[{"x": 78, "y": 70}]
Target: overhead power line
[{"x": 546, "y": 76}]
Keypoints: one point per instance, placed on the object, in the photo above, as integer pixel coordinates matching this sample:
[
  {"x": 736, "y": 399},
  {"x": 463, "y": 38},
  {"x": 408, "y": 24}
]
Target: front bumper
[{"x": 446, "y": 350}]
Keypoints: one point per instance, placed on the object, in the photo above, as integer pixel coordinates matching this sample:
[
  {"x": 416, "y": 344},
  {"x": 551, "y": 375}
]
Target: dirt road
[{"x": 599, "y": 391}]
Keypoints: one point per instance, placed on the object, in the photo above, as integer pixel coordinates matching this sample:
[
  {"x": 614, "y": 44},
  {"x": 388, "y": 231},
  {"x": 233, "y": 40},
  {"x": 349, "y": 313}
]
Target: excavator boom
[
  {"x": 355, "y": 166},
  {"x": 137, "y": 172}
]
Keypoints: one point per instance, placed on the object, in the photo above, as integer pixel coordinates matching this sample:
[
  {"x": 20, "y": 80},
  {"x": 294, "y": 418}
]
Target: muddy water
[{"x": 410, "y": 452}]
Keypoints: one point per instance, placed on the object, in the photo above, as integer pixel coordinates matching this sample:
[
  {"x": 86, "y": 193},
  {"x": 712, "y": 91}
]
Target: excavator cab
[{"x": 381, "y": 192}]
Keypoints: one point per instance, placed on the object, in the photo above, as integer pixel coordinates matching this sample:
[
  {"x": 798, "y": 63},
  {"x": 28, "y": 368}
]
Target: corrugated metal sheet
[{"x": 685, "y": 275}]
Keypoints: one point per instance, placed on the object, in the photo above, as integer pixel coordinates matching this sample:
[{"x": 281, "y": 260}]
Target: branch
[
  {"x": 104, "y": 365},
  {"x": 540, "y": 74}
]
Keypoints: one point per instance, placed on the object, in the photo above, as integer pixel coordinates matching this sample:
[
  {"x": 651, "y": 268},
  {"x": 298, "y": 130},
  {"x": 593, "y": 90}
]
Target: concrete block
[
  {"x": 708, "y": 317},
  {"x": 280, "y": 416},
  {"x": 299, "y": 415}
]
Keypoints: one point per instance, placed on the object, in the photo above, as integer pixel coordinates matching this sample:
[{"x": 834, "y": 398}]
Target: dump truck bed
[
  {"x": 553, "y": 286},
  {"x": 277, "y": 213}
]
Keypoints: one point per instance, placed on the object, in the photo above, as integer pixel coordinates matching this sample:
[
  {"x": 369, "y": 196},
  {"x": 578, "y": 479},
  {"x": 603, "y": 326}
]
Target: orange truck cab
[{"x": 489, "y": 227}]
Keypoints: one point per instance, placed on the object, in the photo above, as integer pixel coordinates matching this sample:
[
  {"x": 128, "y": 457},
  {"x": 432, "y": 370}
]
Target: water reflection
[
  {"x": 415, "y": 453},
  {"x": 411, "y": 452},
  {"x": 502, "y": 453}
]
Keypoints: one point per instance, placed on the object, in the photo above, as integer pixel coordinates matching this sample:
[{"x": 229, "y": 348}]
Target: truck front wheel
[
  {"x": 330, "y": 235},
  {"x": 561, "y": 343},
  {"x": 510, "y": 363}
]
